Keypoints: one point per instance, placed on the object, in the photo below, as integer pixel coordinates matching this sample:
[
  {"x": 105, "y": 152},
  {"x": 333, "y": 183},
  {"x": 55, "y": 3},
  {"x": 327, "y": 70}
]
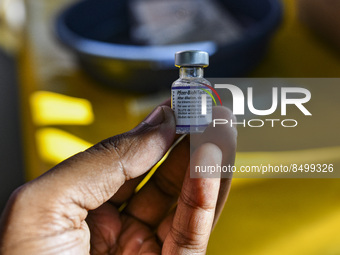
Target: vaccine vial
[{"x": 190, "y": 94}]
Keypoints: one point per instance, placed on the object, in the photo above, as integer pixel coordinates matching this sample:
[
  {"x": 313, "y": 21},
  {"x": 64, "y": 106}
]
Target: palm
[
  {"x": 145, "y": 224},
  {"x": 112, "y": 233},
  {"x": 147, "y": 219}
]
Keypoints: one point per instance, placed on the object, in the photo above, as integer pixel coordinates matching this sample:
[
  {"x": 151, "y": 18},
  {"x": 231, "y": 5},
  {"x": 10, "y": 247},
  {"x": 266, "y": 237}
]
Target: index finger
[
  {"x": 225, "y": 137},
  {"x": 195, "y": 213}
]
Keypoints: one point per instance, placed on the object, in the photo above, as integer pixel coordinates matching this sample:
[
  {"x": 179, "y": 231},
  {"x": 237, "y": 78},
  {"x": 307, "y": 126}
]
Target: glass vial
[{"x": 190, "y": 94}]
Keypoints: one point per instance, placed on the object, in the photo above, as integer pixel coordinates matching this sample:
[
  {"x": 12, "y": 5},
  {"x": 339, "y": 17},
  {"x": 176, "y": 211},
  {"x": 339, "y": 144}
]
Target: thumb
[{"x": 92, "y": 177}]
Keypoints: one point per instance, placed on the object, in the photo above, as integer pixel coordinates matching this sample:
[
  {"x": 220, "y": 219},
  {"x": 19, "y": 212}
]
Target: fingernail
[{"x": 156, "y": 117}]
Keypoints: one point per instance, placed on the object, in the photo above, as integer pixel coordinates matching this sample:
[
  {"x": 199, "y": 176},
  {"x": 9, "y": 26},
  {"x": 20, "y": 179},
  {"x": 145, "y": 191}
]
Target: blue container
[{"x": 97, "y": 31}]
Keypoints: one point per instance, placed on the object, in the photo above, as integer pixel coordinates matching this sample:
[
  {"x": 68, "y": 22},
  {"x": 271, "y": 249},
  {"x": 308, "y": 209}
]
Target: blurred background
[{"x": 73, "y": 73}]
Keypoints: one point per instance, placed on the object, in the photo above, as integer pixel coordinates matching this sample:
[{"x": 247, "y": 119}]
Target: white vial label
[{"x": 192, "y": 110}]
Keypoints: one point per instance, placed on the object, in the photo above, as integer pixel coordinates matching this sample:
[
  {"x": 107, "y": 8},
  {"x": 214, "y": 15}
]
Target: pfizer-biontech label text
[{"x": 192, "y": 107}]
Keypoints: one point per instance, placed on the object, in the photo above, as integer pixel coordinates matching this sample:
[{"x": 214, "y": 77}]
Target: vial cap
[{"x": 191, "y": 58}]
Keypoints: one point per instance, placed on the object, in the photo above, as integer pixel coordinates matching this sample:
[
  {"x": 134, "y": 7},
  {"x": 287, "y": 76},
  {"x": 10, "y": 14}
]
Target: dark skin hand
[{"x": 73, "y": 208}]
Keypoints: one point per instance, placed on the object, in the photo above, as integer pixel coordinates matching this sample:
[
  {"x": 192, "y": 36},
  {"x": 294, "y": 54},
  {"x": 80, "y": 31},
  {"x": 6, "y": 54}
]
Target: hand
[{"x": 73, "y": 208}]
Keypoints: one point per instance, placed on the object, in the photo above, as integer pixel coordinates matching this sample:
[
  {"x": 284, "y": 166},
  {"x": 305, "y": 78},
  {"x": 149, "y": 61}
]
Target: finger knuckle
[
  {"x": 195, "y": 202},
  {"x": 186, "y": 239},
  {"x": 116, "y": 147},
  {"x": 167, "y": 185}
]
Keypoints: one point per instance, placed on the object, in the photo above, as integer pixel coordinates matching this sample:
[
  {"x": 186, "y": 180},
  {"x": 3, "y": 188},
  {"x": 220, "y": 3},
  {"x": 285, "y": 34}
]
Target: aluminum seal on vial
[{"x": 192, "y": 58}]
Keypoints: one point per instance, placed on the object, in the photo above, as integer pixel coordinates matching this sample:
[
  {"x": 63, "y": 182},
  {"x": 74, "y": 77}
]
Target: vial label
[{"x": 192, "y": 107}]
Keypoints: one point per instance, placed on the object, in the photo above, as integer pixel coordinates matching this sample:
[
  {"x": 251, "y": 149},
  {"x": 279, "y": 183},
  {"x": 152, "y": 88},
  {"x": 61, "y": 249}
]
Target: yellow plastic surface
[{"x": 286, "y": 216}]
